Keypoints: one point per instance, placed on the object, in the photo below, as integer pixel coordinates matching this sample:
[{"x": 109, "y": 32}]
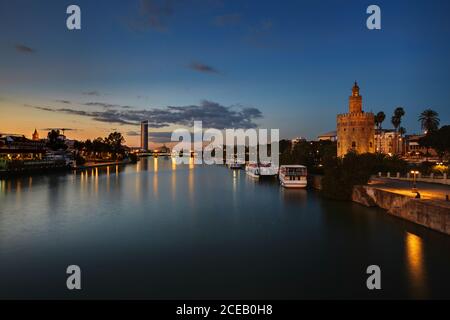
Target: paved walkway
[{"x": 428, "y": 191}]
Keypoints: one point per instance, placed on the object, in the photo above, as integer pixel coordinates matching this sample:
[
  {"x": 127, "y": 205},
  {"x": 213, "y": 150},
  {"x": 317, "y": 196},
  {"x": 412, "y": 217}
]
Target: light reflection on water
[
  {"x": 415, "y": 265},
  {"x": 214, "y": 223}
]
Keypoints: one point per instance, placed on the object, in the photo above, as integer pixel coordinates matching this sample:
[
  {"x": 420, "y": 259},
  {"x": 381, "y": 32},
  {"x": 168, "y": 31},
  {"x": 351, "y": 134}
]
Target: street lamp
[{"x": 414, "y": 173}]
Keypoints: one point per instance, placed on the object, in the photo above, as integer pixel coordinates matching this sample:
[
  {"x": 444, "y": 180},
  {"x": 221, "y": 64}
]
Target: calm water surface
[{"x": 157, "y": 230}]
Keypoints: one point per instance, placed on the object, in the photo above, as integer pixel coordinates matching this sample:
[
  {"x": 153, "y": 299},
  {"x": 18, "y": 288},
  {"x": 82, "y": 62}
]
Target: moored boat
[
  {"x": 293, "y": 176},
  {"x": 235, "y": 166},
  {"x": 268, "y": 170},
  {"x": 252, "y": 169}
]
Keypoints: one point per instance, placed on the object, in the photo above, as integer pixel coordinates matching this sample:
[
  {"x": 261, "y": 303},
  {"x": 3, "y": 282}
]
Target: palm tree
[
  {"x": 402, "y": 132},
  {"x": 429, "y": 120},
  {"x": 397, "y": 118},
  {"x": 396, "y": 121},
  {"x": 379, "y": 118}
]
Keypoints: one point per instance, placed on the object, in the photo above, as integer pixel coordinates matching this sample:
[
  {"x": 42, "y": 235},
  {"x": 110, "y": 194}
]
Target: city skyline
[{"x": 229, "y": 64}]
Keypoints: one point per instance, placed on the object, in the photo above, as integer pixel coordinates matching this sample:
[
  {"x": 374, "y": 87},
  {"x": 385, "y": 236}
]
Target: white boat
[
  {"x": 234, "y": 164},
  {"x": 252, "y": 169},
  {"x": 293, "y": 176},
  {"x": 268, "y": 170}
]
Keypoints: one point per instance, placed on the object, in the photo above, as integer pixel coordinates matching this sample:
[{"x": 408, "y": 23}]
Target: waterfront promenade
[{"x": 428, "y": 191}]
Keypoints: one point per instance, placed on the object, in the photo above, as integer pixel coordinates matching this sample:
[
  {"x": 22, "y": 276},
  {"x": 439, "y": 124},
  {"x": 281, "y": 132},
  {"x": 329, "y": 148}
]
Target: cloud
[
  {"x": 64, "y": 101},
  {"x": 106, "y": 105},
  {"x": 212, "y": 114},
  {"x": 40, "y": 108},
  {"x": 133, "y": 133},
  {"x": 91, "y": 93},
  {"x": 200, "y": 67},
  {"x": 228, "y": 20},
  {"x": 24, "y": 49}
]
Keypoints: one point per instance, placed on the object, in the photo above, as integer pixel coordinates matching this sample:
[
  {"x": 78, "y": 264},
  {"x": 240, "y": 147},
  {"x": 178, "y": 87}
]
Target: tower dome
[
  {"x": 355, "y": 90},
  {"x": 355, "y": 100}
]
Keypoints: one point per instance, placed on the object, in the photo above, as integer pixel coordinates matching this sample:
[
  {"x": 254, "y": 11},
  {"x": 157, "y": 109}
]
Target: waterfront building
[
  {"x": 144, "y": 136},
  {"x": 16, "y": 149},
  {"x": 385, "y": 142},
  {"x": 355, "y": 129},
  {"x": 414, "y": 151},
  {"x": 329, "y": 136}
]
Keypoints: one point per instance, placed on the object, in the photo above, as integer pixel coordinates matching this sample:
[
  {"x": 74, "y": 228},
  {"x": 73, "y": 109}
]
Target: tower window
[{"x": 353, "y": 144}]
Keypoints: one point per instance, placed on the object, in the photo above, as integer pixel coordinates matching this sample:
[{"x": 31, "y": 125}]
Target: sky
[{"x": 288, "y": 65}]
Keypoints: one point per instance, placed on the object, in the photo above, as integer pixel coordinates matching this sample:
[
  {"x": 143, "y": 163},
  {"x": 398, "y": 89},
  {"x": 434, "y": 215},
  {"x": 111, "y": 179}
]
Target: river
[{"x": 156, "y": 230}]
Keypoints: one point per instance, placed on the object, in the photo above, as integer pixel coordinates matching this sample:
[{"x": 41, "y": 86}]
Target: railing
[{"x": 432, "y": 177}]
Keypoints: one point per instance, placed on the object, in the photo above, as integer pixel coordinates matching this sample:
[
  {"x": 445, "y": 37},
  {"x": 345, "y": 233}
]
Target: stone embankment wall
[
  {"x": 315, "y": 181},
  {"x": 432, "y": 214}
]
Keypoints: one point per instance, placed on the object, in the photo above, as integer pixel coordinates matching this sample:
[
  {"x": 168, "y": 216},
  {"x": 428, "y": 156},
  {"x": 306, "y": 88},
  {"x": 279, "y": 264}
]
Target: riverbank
[
  {"x": 433, "y": 214},
  {"x": 90, "y": 165},
  {"x": 429, "y": 212},
  {"x": 34, "y": 167}
]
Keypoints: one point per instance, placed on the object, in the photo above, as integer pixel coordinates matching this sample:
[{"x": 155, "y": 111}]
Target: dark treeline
[
  {"x": 342, "y": 174},
  {"x": 108, "y": 148},
  {"x": 439, "y": 140}
]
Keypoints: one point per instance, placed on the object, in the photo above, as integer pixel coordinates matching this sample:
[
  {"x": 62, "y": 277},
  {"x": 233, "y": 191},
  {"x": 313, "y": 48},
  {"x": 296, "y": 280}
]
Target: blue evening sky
[{"x": 295, "y": 61}]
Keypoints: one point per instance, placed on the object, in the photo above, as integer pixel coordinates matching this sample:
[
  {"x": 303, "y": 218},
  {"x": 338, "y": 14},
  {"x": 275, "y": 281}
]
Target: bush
[
  {"x": 79, "y": 160},
  {"x": 133, "y": 157},
  {"x": 342, "y": 174}
]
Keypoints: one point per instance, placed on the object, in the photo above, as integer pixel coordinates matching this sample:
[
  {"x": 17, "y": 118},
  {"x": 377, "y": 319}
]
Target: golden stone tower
[{"x": 356, "y": 129}]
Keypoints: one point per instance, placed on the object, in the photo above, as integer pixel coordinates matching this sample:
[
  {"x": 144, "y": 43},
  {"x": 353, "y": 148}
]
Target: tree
[
  {"x": 397, "y": 118},
  {"x": 379, "y": 119},
  {"x": 402, "y": 132},
  {"x": 439, "y": 140},
  {"x": 114, "y": 142},
  {"x": 429, "y": 120},
  {"x": 54, "y": 141},
  {"x": 342, "y": 174},
  {"x": 396, "y": 121}
]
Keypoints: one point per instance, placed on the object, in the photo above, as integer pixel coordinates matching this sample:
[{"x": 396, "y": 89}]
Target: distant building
[
  {"x": 386, "y": 142},
  {"x": 144, "y": 135},
  {"x": 35, "y": 135},
  {"x": 164, "y": 149},
  {"x": 16, "y": 147},
  {"x": 329, "y": 136},
  {"x": 414, "y": 150},
  {"x": 296, "y": 141},
  {"x": 356, "y": 129}
]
